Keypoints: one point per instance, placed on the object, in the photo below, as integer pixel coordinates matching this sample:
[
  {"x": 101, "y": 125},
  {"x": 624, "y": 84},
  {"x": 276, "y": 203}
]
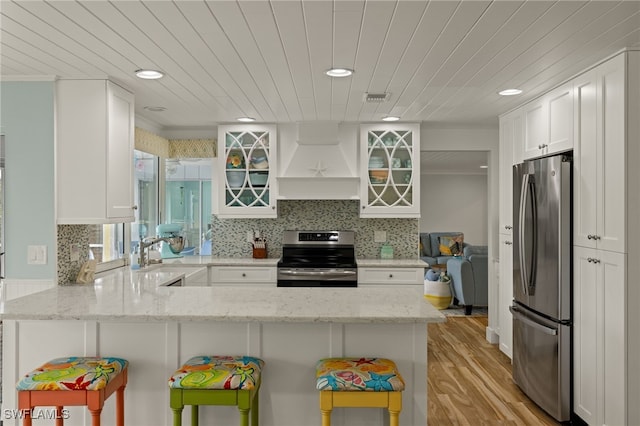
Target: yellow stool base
[{"x": 392, "y": 401}]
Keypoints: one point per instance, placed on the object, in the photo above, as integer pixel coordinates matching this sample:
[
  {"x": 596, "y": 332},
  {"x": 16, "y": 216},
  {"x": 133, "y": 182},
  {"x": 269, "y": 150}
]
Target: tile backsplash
[{"x": 230, "y": 235}]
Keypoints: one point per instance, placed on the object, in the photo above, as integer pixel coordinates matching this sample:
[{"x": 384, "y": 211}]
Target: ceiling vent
[{"x": 376, "y": 97}]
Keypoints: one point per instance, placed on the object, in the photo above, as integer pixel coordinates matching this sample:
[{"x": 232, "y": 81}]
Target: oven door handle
[{"x": 316, "y": 273}]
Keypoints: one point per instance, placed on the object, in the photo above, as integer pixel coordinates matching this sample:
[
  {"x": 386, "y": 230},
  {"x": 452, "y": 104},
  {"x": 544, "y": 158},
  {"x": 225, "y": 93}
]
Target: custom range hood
[{"x": 318, "y": 161}]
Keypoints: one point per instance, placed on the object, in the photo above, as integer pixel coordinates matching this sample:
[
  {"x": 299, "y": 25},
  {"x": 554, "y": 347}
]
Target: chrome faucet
[{"x": 145, "y": 244}]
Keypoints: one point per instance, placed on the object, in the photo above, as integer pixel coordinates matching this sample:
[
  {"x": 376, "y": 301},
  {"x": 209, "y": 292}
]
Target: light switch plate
[
  {"x": 36, "y": 255},
  {"x": 379, "y": 236}
]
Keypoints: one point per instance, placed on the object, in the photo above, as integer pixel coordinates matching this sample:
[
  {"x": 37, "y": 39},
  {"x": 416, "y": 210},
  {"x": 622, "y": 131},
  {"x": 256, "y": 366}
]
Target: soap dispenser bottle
[{"x": 135, "y": 258}]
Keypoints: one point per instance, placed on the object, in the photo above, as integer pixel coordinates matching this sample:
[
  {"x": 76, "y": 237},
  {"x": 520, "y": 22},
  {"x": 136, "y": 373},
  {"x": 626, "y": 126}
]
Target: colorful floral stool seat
[
  {"x": 72, "y": 381},
  {"x": 217, "y": 380},
  {"x": 359, "y": 382}
]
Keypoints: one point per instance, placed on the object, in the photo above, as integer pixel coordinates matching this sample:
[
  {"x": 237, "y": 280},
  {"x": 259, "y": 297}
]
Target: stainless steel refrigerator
[{"x": 542, "y": 282}]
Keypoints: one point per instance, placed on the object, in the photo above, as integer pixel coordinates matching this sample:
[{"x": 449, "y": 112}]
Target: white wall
[{"x": 453, "y": 202}]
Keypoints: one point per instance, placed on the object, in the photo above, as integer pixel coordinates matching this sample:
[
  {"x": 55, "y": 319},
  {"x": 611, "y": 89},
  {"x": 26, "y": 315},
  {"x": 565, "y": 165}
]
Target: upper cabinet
[
  {"x": 94, "y": 152},
  {"x": 600, "y": 172},
  {"x": 390, "y": 170},
  {"x": 245, "y": 171},
  {"x": 548, "y": 123}
]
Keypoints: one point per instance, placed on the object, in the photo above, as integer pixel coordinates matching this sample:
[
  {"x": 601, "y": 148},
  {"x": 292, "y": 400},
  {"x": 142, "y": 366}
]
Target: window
[
  {"x": 188, "y": 201},
  {"x": 146, "y": 167},
  {"x": 107, "y": 242}
]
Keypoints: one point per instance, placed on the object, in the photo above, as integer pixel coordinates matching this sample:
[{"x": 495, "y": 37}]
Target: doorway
[{"x": 454, "y": 193}]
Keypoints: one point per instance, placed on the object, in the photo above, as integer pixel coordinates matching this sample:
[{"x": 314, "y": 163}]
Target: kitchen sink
[{"x": 178, "y": 276}]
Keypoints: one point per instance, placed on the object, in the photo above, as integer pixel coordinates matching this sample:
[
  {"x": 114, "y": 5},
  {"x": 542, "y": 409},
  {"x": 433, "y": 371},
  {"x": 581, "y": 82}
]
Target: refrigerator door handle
[
  {"x": 540, "y": 327},
  {"x": 523, "y": 202},
  {"x": 527, "y": 263}
]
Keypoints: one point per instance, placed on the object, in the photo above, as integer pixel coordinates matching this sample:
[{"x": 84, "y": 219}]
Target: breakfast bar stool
[
  {"x": 359, "y": 382},
  {"x": 217, "y": 380},
  {"x": 69, "y": 381}
]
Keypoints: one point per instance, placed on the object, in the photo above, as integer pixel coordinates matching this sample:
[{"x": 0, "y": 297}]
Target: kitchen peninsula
[{"x": 134, "y": 315}]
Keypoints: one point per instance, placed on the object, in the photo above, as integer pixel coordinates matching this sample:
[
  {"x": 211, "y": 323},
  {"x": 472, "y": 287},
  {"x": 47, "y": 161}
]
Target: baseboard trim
[{"x": 491, "y": 336}]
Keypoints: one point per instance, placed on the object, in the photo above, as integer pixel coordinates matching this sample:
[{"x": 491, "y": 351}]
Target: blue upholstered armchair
[{"x": 469, "y": 277}]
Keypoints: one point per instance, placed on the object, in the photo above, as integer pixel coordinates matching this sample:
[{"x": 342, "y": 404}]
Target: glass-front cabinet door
[
  {"x": 246, "y": 166},
  {"x": 390, "y": 165}
]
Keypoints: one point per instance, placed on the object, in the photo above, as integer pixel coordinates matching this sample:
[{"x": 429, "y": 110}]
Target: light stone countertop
[
  {"x": 125, "y": 295},
  {"x": 220, "y": 261},
  {"x": 239, "y": 261},
  {"x": 392, "y": 263}
]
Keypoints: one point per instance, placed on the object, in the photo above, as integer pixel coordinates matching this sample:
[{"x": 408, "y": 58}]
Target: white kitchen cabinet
[
  {"x": 511, "y": 142},
  {"x": 398, "y": 275},
  {"x": 94, "y": 152},
  {"x": 548, "y": 123},
  {"x": 245, "y": 169},
  {"x": 243, "y": 274},
  {"x": 599, "y": 336},
  {"x": 600, "y": 173},
  {"x": 511, "y": 138},
  {"x": 390, "y": 170},
  {"x": 505, "y": 295}
]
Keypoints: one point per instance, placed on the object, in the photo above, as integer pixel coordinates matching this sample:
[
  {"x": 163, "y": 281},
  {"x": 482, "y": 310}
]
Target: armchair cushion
[{"x": 450, "y": 245}]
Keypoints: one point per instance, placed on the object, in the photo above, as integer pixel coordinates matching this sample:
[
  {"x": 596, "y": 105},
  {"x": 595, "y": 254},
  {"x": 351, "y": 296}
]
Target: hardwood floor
[{"x": 469, "y": 379}]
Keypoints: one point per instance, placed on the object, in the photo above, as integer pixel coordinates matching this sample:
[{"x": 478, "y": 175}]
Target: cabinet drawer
[
  {"x": 247, "y": 274},
  {"x": 391, "y": 276}
]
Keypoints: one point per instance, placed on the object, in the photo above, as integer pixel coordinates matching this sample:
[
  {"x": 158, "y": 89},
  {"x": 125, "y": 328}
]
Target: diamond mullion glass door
[
  {"x": 390, "y": 168},
  {"x": 248, "y": 165},
  {"x": 391, "y": 172}
]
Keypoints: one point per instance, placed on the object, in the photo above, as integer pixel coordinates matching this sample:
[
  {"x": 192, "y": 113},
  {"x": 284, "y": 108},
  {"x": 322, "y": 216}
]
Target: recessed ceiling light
[
  {"x": 484, "y": 167},
  {"x": 155, "y": 108},
  {"x": 339, "y": 72},
  {"x": 246, "y": 119},
  {"x": 509, "y": 92},
  {"x": 149, "y": 74},
  {"x": 390, "y": 118}
]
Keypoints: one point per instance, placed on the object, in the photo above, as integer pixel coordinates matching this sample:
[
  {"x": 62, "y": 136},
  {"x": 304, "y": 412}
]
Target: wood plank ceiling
[{"x": 441, "y": 61}]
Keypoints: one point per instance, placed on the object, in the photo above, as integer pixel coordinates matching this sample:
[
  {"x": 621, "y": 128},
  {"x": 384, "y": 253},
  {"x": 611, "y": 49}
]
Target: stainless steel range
[{"x": 318, "y": 259}]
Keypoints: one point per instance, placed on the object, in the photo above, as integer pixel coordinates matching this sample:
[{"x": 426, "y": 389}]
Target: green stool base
[
  {"x": 217, "y": 380},
  {"x": 246, "y": 400}
]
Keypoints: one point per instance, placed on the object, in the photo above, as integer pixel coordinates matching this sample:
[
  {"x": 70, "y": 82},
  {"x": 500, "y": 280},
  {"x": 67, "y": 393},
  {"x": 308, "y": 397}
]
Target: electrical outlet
[
  {"x": 74, "y": 252},
  {"x": 379, "y": 236}
]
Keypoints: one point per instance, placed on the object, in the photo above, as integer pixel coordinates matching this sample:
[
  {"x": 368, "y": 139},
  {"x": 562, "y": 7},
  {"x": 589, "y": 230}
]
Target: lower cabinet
[
  {"x": 372, "y": 275},
  {"x": 243, "y": 274},
  {"x": 599, "y": 361},
  {"x": 505, "y": 294}
]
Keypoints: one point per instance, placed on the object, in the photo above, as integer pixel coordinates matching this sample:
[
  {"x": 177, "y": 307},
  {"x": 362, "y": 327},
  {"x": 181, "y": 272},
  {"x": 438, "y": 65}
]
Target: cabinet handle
[
  {"x": 590, "y": 237},
  {"x": 390, "y": 275},
  {"x": 596, "y": 237},
  {"x": 596, "y": 260},
  {"x": 244, "y": 275},
  {"x": 363, "y": 207},
  {"x": 508, "y": 227},
  {"x": 593, "y": 260},
  {"x": 542, "y": 146},
  {"x": 508, "y": 243},
  {"x": 134, "y": 207}
]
